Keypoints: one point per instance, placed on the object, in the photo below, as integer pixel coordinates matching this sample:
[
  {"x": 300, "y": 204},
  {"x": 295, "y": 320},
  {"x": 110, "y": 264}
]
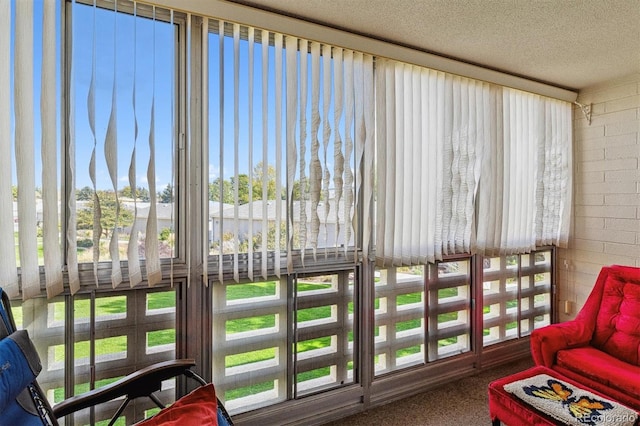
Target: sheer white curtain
[
  {"x": 431, "y": 130},
  {"x": 525, "y": 191}
]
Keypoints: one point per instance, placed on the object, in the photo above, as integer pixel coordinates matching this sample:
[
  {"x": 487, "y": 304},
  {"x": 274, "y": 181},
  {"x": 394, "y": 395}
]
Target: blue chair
[{"x": 22, "y": 401}]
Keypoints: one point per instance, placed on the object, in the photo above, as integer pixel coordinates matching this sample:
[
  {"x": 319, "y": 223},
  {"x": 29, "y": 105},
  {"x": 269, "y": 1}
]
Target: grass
[{"x": 117, "y": 305}]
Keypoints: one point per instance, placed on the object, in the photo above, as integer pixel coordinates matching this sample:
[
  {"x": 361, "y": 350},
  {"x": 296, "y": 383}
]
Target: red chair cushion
[
  {"x": 617, "y": 330},
  {"x": 199, "y": 408},
  {"x": 602, "y": 368}
]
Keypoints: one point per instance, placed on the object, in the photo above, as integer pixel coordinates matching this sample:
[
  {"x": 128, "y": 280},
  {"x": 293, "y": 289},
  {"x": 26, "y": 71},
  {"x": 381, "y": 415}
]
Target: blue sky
[
  {"x": 151, "y": 57},
  {"x": 147, "y": 61}
]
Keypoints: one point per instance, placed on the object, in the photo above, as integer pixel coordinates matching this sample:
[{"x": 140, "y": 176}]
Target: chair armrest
[
  {"x": 547, "y": 341},
  {"x": 139, "y": 383}
]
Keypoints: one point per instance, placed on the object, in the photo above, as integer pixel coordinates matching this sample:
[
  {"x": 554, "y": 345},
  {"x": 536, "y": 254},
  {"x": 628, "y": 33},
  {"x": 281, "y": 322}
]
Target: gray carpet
[{"x": 437, "y": 407}]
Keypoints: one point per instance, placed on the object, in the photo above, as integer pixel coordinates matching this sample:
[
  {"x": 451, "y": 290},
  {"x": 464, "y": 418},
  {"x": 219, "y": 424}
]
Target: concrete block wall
[{"x": 606, "y": 209}]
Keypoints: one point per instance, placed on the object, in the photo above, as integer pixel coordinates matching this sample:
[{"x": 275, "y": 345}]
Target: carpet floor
[{"x": 464, "y": 402}]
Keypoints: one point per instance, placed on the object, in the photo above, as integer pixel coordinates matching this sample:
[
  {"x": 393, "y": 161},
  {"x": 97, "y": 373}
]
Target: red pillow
[{"x": 199, "y": 408}]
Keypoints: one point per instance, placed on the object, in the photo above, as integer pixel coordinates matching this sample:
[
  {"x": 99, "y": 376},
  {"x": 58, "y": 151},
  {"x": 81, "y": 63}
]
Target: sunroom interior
[{"x": 328, "y": 205}]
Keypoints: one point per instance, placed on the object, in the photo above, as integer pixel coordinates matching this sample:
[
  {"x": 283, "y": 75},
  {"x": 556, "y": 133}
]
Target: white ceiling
[{"x": 573, "y": 44}]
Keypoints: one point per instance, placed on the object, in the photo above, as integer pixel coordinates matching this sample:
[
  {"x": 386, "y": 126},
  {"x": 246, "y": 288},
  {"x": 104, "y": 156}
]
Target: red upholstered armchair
[{"x": 601, "y": 347}]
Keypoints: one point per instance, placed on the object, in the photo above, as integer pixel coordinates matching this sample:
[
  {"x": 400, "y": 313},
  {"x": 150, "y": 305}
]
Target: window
[
  {"x": 256, "y": 324},
  {"x": 449, "y": 309},
  {"x": 122, "y": 148},
  {"x": 516, "y": 294},
  {"x": 285, "y": 136},
  {"x": 409, "y": 330},
  {"x": 202, "y": 151},
  {"x": 324, "y": 332}
]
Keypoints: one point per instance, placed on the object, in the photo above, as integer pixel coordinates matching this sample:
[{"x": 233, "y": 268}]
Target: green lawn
[{"x": 117, "y": 305}]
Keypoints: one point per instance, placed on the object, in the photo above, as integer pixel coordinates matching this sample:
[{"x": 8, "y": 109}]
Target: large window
[
  {"x": 225, "y": 181},
  {"x": 124, "y": 109},
  {"x": 113, "y": 334},
  {"x": 285, "y": 139},
  {"x": 516, "y": 295},
  {"x": 283, "y": 339},
  {"x": 411, "y": 330},
  {"x": 122, "y": 147}
]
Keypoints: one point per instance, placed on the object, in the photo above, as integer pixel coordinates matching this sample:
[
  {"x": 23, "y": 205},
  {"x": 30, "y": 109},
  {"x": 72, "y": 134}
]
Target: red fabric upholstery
[
  {"x": 509, "y": 409},
  {"x": 618, "y": 322},
  {"x": 199, "y": 408},
  {"x": 601, "y": 347}
]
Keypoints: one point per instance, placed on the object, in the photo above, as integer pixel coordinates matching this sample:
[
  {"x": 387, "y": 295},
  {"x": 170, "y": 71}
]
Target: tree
[
  {"x": 84, "y": 194},
  {"x": 243, "y": 188},
  {"x": 258, "y": 178},
  {"x": 227, "y": 191},
  {"x": 108, "y": 209},
  {"x": 228, "y": 187},
  {"x": 142, "y": 194},
  {"x": 166, "y": 196},
  {"x": 297, "y": 187}
]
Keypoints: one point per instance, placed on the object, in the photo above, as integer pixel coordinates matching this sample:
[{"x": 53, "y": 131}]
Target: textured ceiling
[{"x": 568, "y": 43}]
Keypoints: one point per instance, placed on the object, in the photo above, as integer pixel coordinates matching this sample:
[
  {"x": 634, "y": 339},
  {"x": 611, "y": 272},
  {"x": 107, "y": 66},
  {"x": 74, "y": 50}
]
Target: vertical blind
[
  {"x": 31, "y": 57},
  {"x": 525, "y": 191},
  {"x": 109, "y": 112},
  {"x": 432, "y": 127},
  {"x": 306, "y": 109},
  {"x": 466, "y": 166},
  {"x": 117, "y": 108},
  {"x": 461, "y": 165}
]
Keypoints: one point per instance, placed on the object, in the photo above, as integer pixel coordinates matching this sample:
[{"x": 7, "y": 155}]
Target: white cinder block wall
[{"x": 606, "y": 208}]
